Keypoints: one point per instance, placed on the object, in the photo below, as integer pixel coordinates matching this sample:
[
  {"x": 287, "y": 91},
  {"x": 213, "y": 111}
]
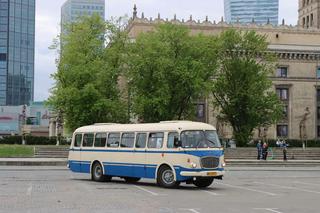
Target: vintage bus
[{"x": 170, "y": 152}]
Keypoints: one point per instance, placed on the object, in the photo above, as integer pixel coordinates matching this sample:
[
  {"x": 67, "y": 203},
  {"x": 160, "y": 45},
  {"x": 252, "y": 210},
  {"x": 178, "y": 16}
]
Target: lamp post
[{"x": 24, "y": 107}]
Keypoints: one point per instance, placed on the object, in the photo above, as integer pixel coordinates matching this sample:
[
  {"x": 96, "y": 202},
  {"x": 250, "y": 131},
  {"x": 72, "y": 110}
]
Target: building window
[
  {"x": 285, "y": 112},
  {"x": 318, "y": 72},
  {"x": 283, "y": 93},
  {"x": 282, "y": 72},
  {"x": 311, "y": 19},
  {"x": 282, "y": 130},
  {"x": 318, "y": 132},
  {"x": 200, "y": 110}
]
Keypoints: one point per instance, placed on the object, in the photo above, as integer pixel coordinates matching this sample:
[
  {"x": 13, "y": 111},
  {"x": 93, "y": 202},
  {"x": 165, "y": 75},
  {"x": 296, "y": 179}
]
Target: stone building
[
  {"x": 296, "y": 80},
  {"x": 309, "y": 13}
]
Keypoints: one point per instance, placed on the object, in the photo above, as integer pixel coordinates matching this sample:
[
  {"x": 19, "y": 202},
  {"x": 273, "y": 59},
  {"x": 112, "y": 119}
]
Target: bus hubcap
[
  {"x": 98, "y": 171},
  {"x": 167, "y": 177}
]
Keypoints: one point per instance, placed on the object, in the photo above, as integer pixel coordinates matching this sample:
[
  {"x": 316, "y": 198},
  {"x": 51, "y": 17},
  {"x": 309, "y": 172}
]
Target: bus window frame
[
  {"x": 74, "y": 140},
  {"x": 134, "y": 139},
  {"x": 99, "y": 147},
  {"x": 110, "y": 147},
  {"x": 87, "y": 147},
  {"x": 173, "y": 141},
  {"x": 162, "y": 145}
]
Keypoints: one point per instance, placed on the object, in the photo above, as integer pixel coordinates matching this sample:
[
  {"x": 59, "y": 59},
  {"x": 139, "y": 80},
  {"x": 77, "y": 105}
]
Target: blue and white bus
[{"x": 170, "y": 152}]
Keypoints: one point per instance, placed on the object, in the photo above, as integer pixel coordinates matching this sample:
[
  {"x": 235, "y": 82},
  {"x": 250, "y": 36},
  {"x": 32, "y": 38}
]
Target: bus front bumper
[{"x": 202, "y": 174}]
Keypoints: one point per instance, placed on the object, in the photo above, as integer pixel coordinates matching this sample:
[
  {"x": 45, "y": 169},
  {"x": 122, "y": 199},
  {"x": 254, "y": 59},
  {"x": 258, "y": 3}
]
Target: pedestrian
[
  {"x": 284, "y": 150},
  {"x": 259, "y": 150},
  {"x": 265, "y": 150}
]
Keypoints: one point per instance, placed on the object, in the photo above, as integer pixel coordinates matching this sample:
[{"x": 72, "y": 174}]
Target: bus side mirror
[{"x": 177, "y": 142}]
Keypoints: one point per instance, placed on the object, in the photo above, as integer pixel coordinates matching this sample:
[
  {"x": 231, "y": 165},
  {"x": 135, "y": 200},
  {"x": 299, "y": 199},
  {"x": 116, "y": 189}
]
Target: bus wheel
[
  {"x": 97, "y": 173},
  {"x": 165, "y": 177},
  {"x": 131, "y": 179},
  {"x": 203, "y": 182}
]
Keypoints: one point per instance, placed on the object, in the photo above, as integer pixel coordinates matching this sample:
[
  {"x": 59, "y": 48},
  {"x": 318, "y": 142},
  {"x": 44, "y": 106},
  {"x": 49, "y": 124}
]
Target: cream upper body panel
[{"x": 146, "y": 127}]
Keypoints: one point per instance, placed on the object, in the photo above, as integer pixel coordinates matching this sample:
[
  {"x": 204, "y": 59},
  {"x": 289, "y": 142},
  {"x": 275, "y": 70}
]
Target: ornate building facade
[
  {"x": 296, "y": 80},
  {"x": 309, "y": 13}
]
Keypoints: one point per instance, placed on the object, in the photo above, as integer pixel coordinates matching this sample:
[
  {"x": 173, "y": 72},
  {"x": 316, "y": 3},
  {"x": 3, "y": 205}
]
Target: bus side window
[
  {"x": 87, "y": 140},
  {"x": 127, "y": 140},
  {"x": 141, "y": 140},
  {"x": 100, "y": 140},
  {"x": 113, "y": 140},
  {"x": 77, "y": 140},
  {"x": 155, "y": 140},
  {"x": 172, "y": 136}
]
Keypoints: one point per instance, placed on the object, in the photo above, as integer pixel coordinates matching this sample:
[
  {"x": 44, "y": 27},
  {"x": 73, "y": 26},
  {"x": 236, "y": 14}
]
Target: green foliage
[
  {"x": 242, "y": 90},
  {"x": 168, "y": 71},
  {"x": 86, "y": 89}
]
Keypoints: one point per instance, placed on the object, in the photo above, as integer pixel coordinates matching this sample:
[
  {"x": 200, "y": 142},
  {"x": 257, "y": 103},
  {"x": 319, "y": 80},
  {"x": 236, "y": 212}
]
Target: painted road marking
[
  {"x": 29, "y": 190},
  {"x": 311, "y": 184},
  {"x": 288, "y": 187},
  {"x": 146, "y": 190},
  {"x": 248, "y": 189},
  {"x": 269, "y": 209},
  {"x": 191, "y": 210},
  {"x": 212, "y": 193}
]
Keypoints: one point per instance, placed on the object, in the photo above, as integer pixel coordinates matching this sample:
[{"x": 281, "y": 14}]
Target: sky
[{"x": 48, "y": 19}]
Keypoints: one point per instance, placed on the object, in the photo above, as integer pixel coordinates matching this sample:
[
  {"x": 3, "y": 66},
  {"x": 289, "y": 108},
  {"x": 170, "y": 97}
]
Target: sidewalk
[
  {"x": 272, "y": 163},
  {"x": 33, "y": 161},
  {"x": 229, "y": 162}
]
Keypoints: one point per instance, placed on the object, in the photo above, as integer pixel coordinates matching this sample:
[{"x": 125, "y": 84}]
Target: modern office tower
[
  {"x": 247, "y": 11},
  {"x": 17, "y": 29},
  {"x": 309, "y": 13},
  {"x": 71, "y": 10}
]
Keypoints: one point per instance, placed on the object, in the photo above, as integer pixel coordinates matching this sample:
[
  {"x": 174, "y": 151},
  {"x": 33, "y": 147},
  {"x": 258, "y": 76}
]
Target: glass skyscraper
[
  {"x": 17, "y": 29},
  {"x": 71, "y": 10},
  {"x": 247, "y": 10}
]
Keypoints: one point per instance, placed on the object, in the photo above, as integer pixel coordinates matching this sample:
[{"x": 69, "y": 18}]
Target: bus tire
[
  {"x": 165, "y": 178},
  {"x": 203, "y": 182},
  {"x": 97, "y": 173},
  {"x": 131, "y": 179}
]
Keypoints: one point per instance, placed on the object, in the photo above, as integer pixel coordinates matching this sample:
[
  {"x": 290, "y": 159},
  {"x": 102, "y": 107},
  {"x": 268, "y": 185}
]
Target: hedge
[
  {"x": 291, "y": 142},
  {"x": 32, "y": 140}
]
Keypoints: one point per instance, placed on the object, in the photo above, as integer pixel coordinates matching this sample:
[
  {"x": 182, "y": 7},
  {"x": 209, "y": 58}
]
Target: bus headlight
[
  {"x": 193, "y": 165},
  {"x": 223, "y": 164}
]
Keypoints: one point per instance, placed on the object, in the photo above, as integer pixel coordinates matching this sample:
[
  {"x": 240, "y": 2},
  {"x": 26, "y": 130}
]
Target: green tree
[
  {"x": 242, "y": 90},
  {"x": 168, "y": 71},
  {"x": 86, "y": 88}
]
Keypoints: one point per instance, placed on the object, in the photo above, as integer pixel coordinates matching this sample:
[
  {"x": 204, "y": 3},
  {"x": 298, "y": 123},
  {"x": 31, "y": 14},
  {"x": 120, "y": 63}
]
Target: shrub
[{"x": 32, "y": 140}]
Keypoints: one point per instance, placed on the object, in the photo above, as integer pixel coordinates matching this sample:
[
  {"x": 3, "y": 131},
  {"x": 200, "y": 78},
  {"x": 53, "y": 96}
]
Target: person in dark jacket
[{"x": 259, "y": 150}]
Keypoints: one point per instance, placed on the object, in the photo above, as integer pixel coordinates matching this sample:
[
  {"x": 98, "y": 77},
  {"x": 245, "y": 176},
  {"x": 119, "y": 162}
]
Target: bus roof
[{"x": 146, "y": 127}]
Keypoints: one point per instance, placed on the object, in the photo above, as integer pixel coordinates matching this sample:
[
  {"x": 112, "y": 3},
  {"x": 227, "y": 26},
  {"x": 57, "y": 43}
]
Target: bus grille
[{"x": 209, "y": 162}]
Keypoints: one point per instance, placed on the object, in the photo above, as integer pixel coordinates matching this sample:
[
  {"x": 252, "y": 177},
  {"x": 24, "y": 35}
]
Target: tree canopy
[
  {"x": 168, "y": 71},
  {"x": 242, "y": 89},
  {"x": 86, "y": 89}
]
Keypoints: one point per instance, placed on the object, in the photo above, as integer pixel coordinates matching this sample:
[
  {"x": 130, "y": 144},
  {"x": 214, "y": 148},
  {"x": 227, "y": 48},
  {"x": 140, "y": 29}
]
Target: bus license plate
[{"x": 212, "y": 173}]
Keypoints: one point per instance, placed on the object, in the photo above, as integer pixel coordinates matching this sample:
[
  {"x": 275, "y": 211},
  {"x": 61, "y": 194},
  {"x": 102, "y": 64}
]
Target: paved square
[{"x": 247, "y": 190}]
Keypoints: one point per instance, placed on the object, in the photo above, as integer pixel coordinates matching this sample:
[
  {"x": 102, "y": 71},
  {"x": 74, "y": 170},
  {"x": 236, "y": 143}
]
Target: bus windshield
[{"x": 200, "y": 139}]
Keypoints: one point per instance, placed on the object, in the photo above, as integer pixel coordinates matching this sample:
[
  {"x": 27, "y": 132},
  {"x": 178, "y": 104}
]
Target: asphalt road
[{"x": 247, "y": 190}]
